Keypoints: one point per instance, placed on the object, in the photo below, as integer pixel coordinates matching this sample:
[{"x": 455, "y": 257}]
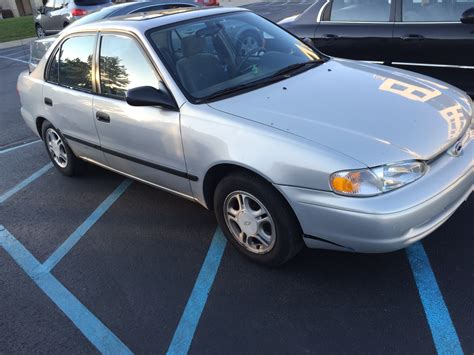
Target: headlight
[{"x": 374, "y": 181}]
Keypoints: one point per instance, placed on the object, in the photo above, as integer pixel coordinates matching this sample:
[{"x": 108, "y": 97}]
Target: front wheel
[
  {"x": 257, "y": 220},
  {"x": 61, "y": 155}
]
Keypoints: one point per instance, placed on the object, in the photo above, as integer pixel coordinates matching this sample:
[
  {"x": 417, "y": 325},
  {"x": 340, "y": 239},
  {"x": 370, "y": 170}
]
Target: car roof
[{"x": 141, "y": 22}]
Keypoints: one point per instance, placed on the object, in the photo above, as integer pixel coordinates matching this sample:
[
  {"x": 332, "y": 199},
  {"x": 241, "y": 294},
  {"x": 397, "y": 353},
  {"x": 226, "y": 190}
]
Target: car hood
[{"x": 373, "y": 113}]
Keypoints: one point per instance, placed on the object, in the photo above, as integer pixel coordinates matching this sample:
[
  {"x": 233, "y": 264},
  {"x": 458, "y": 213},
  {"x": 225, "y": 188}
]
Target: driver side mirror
[
  {"x": 468, "y": 16},
  {"x": 149, "y": 96}
]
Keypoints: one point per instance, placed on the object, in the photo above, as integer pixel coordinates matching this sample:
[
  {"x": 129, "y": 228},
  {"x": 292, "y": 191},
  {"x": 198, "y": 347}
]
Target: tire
[
  {"x": 40, "y": 31},
  {"x": 59, "y": 152},
  {"x": 277, "y": 224}
]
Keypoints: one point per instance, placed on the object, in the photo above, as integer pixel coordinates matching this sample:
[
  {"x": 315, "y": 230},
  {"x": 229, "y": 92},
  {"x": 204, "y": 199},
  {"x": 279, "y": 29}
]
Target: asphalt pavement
[{"x": 97, "y": 263}]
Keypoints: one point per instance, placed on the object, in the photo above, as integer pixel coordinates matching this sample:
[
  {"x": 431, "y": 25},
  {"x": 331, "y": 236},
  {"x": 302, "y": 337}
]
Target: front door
[
  {"x": 432, "y": 40},
  {"x": 357, "y": 29},
  {"x": 144, "y": 142}
]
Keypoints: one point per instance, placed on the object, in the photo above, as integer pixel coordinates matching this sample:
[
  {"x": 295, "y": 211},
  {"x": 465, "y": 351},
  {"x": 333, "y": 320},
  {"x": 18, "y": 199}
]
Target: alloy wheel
[
  {"x": 249, "y": 222},
  {"x": 56, "y": 148}
]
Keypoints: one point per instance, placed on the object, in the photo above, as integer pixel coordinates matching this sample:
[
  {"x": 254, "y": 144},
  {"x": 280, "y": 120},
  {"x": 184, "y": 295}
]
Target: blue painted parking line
[
  {"x": 72, "y": 240},
  {"x": 6, "y": 195},
  {"x": 92, "y": 328},
  {"x": 19, "y": 146},
  {"x": 184, "y": 333},
  {"x": 442, "y": 329}
]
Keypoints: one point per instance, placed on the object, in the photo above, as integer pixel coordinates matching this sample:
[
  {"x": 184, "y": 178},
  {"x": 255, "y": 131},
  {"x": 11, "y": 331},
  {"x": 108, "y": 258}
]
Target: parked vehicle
[
  {"x": 286, "y": 145},
  {"x": 39, "y": 47},
  {"x": 55, "y": 15},
  {"x": 208, "y": 2},
  {"x": 433, "y": 37}
]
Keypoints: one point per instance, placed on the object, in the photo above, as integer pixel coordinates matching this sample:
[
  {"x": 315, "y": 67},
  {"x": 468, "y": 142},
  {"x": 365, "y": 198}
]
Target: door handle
[
  {"x": 412, "y": 37},
  {"x": 330, "y": 36},
  {"x": 102, "y": 117},
  {"x": 48, "y": 101}
]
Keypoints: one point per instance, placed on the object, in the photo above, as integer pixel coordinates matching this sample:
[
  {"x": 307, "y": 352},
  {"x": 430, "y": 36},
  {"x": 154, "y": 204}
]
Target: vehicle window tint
[
  {"x": 361, "y": 10},
  {"x": 434, "y": 10},
  {"x": 160, "y": 7},
  {"x": 148, "y": 9},
  {"x": 123, "y": 66},
  {"x": 91, "y": 2},
  {"x": 75, "y": 63},
  {"x": 53, "y": 69},
  {"x": 177, "y": 6}
]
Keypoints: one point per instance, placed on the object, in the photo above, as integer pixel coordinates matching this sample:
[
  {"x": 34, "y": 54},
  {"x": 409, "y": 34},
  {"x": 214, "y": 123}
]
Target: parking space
[{"x": 97, "y": 263}]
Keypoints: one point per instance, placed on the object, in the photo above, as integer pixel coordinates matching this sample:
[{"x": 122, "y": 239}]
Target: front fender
[{"x": 211, "y": 137}]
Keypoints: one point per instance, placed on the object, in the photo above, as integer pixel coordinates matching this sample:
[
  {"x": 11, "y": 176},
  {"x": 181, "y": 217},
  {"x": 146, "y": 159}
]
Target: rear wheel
[
  {"x": 40, "y": 31},
  {"x": 59, "y": 152},
  {"x": 257, "y": 220}
]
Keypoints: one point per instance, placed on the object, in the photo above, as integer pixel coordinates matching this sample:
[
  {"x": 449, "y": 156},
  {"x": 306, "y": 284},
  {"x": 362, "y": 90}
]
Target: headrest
[{"x": 193, "y": 45}]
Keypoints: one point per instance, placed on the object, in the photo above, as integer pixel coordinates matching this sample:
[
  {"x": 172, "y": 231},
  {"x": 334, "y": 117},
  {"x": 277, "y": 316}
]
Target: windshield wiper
[
  {"x": 277, "y": 76},
  {"x": 238, "y": 88},
  {"x": 286, "y": 71}
]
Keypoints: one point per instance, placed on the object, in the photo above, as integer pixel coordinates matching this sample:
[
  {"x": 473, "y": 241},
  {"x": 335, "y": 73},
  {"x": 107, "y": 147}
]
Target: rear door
[
  {"x": 46, "y": 18},
  {"x": 431, "y": 39},
  {"x": 67, "y": 95},
  {"x": 141, "y": 141},
  {"x": 357, "y": 29}
]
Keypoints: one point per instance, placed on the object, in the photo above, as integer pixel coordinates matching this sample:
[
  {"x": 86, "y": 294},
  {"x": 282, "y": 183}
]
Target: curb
[{"x": 19, "y": 42}]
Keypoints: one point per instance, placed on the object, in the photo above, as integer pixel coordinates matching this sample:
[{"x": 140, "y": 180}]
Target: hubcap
[
  {"x": 56, "y": 148},
  {"x": 249, "y": 222}
]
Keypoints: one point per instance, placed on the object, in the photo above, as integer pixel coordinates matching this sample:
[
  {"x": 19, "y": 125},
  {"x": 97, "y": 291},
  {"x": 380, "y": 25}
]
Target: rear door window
[
  {"x": 361, "y": 10},
  {"x": 434, "y": 10},
  {"x": 75, "y": 62}
]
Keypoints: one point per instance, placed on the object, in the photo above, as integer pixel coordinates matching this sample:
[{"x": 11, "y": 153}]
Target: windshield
[
  {"x": 218, "y": 55},
  {"x": 95, "y": 16}
]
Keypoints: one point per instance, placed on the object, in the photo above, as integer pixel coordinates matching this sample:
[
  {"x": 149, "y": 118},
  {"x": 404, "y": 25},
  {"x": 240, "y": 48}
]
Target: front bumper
[{"x": 386, "y": 222}]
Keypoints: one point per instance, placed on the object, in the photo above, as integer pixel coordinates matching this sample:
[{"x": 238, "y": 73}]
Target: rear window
[{"x": 91, "y": 2}]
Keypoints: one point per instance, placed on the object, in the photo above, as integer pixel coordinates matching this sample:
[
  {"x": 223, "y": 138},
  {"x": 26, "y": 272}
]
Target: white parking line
[
  {"x": 22, "y": 52},
  {"x": 14, "y": 59},
  {"x": 5, "y": 51}
]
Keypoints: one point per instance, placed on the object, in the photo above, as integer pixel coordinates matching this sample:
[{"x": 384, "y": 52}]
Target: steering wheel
[{"x": 247, "y": 56}]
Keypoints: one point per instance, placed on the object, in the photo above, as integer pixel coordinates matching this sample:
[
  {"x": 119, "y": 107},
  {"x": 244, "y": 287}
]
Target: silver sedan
[{"x": 286, "y": 145}]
